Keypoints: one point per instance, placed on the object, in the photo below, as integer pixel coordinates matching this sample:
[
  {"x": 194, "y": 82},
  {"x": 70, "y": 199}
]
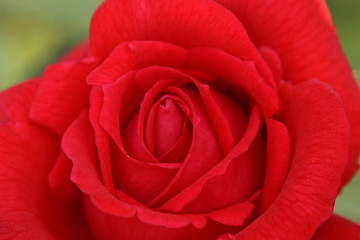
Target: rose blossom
[{"x": 185, "y": 120}]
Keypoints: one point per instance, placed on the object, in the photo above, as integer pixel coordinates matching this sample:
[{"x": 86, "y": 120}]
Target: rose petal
[
  {"x": 302, "y": 34},
  {"x": 156, "y": 91},
  {"x": 181, "y": 199},
  {"x": 228, "y": 117},
  {"x": 277, "y": 161},
  {"x": 174, "y": 128},
  {"x": 234, "y": 215},
  {"x": 140, "y": 180},
  {"x": 124, "y": 96},
  {"x": 204, "y": 151},
  {"x": 236, "y": 76},
  {"x": 78, "y": 143},
  {"x": 129, "y": 56},
  {"x": 59, "y": 180},
  {"x": 244, "y": 175},
  {"x": 28, "y": 209},
  {"x": 235, "y": 113},
  {"x": 101, "y": 138},
  {"x": 184, "y": 23},
  {"x": 117, "y": 98},
  {"x": 320, "y": 136},
  {"x": 337, "y": 228},
  {"x": 134, "y": 146},
  {"x": 180, "y": 150},
  {"x": 62, "y": 92},
  {"x": 219, "y": 122},
  {"x": 126, "y": 198},
  {"x": 168, "y": 126},
  {"x": 273, "y": 61},
  {"x": 149, "y": 224}
]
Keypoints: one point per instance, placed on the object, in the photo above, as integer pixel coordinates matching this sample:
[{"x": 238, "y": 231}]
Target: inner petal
[
  {"x": 168, "y": 126},
  {"x": 168, "y": 131}
]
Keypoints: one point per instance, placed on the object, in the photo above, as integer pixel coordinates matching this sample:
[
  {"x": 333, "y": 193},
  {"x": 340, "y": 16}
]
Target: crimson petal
[
  {"x": 179, "y": 201},
  {"x": 337, "y": 228},
  {"x": 320, "y": 136},
  {"x": 62, "y": 93},
  {"x": 181, "y": 22},
  {"x": 28, "y": 210},
  {"x": 277, "y": 161},
  {"x": 302, "y": 34}
]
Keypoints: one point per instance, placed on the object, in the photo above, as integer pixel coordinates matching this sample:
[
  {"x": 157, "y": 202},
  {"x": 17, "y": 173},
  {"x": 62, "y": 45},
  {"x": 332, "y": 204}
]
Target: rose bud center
[{"x": 168, "y": 129}]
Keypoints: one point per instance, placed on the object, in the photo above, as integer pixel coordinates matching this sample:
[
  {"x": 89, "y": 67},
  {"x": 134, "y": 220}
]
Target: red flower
[{"x": 185, "y": 120}]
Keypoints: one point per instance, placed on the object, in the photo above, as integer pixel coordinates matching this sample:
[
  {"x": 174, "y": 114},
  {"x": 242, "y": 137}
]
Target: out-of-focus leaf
[{"x": 35, "y": 33}]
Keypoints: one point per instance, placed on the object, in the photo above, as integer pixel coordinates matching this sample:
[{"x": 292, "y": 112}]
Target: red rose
[{"x": 185, "y": 120}]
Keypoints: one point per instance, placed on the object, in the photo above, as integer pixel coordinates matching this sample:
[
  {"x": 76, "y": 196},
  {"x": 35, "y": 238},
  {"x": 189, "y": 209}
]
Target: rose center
[{"x": 167, "y": 128}]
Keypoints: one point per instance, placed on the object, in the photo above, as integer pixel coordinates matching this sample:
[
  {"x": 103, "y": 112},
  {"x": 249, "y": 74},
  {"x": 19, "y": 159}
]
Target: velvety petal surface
[
  {"x": 337, "y": 228},
  {"x": 62, "y": 93},
  {"x": 184, "y": 23},
  {"x": 106, "y": 212},
  {"x": 106, "y": 226},
  {"x": 302, "y": 34},
  {"x": 277, "y": 161},
  {"x": 59, "y": 180},
  {"x": 319, "y": 132},
  {"x": 135, "y": 55},
  {"x": 206, "y": 185},
  {"x": 28, "y": 210}
]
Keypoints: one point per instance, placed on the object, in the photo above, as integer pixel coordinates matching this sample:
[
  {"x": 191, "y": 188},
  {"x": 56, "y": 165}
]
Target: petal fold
[{"x": 319, "y": 130}]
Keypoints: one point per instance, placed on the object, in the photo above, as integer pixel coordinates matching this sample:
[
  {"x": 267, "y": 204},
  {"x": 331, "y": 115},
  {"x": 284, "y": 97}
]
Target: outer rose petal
[
  {"x": 121, "y": 217},
  {"x": 62, "y": 93},
  {"x": 184, "y": 22},
  {"x": 319, "y": 132},
  {"x": 27, "y": 153},
  {"x": 302, "y": 34},
  {"x": 337, "y": 228}
]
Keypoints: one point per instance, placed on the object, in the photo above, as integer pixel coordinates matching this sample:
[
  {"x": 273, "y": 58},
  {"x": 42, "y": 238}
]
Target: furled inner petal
[
  {"x": 101, "y": 138},
  {"x": 244, "y": 163},
  {"x": 245, "y": 171},
  {"x": 133, "y": 145},
  {"x": 204, "y": 152},
  {"x": 168, "y": 129},
  {"x": 277, "y": 161},
  {"x": 228, "y": 116},
  {"x": 179, "y": 151},
  {"x": 208, "y": 123},
  {"x": 141, "y": 180},
  {"x": 236, "y": 76}
]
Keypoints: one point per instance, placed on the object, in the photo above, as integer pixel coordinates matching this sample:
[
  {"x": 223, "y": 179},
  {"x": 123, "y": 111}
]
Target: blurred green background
[{"x": 34, "y": 33}]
